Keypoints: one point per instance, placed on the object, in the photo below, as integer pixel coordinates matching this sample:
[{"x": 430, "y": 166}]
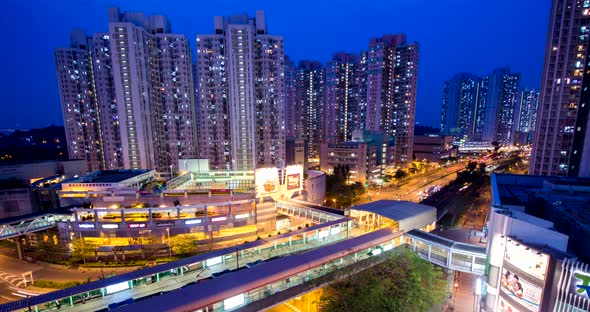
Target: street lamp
[
  {"x": 169, "y": 247},
  {"x": 102, "y": 268}
]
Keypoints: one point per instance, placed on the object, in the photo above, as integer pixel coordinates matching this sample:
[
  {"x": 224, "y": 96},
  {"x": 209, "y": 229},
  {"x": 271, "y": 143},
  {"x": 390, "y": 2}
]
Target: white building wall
[{"x": 130, "y": 54}]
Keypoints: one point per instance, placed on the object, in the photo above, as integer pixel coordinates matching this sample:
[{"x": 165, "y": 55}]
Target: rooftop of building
[
  {"x": 314, "y": 173},
  {"x": 569, "y": 195},
  {"x": 108, "y": 176}
]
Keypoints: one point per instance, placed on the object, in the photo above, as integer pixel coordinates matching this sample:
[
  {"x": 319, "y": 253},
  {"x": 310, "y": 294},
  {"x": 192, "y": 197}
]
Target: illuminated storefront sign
[
  {"x": 110, "y": 226},
  {"x": 582, "y": 283},
  {"x": 195, "y": 221},
  {"x": 136, "y": 225},
  {"x": 161, "y": 224},
  {"x": 242, "y": 216},
  {"x": 574, "y": 291},
  {"x": 86, "y": 226},
  {"x": 218, "y": 219},
  {"x": 521, "y": 290}
]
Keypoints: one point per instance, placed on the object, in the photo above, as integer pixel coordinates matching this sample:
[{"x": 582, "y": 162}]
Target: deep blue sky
[{"x": 455, "y": 36}]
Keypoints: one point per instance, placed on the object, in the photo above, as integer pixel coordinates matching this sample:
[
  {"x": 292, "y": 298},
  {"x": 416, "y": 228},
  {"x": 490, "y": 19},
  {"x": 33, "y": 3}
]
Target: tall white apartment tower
[
  {"x": 241, "y": 89},
  {"x": 130, "y": 48},
  {"x": 154, "y": 91}
]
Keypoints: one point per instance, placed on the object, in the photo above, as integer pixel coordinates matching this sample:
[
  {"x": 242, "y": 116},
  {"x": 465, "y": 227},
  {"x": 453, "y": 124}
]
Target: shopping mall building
[
  {"x": 128, "y": 207},
  {"x": 538, "y": 244}
]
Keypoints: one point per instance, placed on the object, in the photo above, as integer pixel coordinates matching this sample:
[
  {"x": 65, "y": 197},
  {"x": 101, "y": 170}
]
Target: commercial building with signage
[
  {"x": 126, "y": 207},
  {"x": 538, "y": 234}
]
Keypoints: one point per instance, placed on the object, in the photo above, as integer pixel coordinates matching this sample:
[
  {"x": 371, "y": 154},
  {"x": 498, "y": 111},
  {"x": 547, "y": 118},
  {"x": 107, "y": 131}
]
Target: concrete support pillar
[{"x": 19, "y": 247}]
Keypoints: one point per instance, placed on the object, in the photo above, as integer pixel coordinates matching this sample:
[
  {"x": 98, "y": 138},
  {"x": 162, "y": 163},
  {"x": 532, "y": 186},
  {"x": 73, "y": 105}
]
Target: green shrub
[{"x": 56, "y": 285}]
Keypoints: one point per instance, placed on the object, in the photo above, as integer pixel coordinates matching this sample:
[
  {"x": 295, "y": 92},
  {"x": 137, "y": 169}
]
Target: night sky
[{"x": 455, "y": 36}]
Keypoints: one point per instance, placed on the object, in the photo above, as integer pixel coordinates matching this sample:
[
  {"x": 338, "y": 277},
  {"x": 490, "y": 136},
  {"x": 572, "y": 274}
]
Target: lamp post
[
  {"x": 169, "y": 247},
  {"x": 102, "y": 268}
]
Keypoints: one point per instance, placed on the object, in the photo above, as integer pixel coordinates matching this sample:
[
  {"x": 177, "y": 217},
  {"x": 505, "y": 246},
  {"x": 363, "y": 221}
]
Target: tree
[
  {"x": 342, "y": 172},
  {"x": 400, "y": 174},
  {"x": 471, "y": 166},
  {"x": 404, "y": 282},
  {"x": 482, "y": 167},
  {"x": 496, "y": 146},
  {"x": 183, "y": 245},
  {"x": 78, "y": 250}
]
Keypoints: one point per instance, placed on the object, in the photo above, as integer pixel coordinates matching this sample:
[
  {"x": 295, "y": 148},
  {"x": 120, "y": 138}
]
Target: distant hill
[{"x": 33, "y": 145}]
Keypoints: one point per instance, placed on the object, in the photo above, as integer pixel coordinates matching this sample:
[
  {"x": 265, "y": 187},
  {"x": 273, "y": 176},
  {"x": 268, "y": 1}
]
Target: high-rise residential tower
[
  {"x": 79, "y": 106},
  {"x": 293, "y": 126},
  {"x": 392, "y": 76},
  {"x": 241, "y": 89},
  {"x": 526, "y": 112},
  {"x": 310, "y": 88},
  {"x": 480, "y": 108},
  {"x": 341, "y": 104},
  {"x": 502, "y": 97},
  {"x": 106, "y": 99},
  {"x": 154, "y": 90},
  {"x": 562, "y": 137},
  {"x": 459, "y": 105}
]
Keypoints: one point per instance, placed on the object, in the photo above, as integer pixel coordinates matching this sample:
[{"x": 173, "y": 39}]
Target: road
[
  {"x": 409, "y": 191},
  {"x": 12, "y": 268}
]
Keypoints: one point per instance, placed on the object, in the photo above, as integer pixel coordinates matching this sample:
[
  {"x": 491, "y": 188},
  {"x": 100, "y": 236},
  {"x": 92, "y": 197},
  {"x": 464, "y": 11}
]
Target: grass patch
[
  {"x": 56, "y": 285},
  {"x": 114, "y": 264}
]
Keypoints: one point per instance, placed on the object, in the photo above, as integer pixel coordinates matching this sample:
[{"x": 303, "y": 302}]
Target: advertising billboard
[
  {"x": 293, "y": 181},
  {"x": 526, "y": 259},
  {"x": 521, "y": 290},
  {"x": 267, "y": 180},
  {"x": 504, "y": 306},
  {"x": 294, "y": 177}
]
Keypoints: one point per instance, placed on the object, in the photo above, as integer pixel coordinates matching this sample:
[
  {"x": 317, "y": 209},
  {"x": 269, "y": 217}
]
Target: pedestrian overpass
[
  {"x": 255, "y": 270},
  {"x": 448, "y": 253},
  {"x": 17, "y": 226}
]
